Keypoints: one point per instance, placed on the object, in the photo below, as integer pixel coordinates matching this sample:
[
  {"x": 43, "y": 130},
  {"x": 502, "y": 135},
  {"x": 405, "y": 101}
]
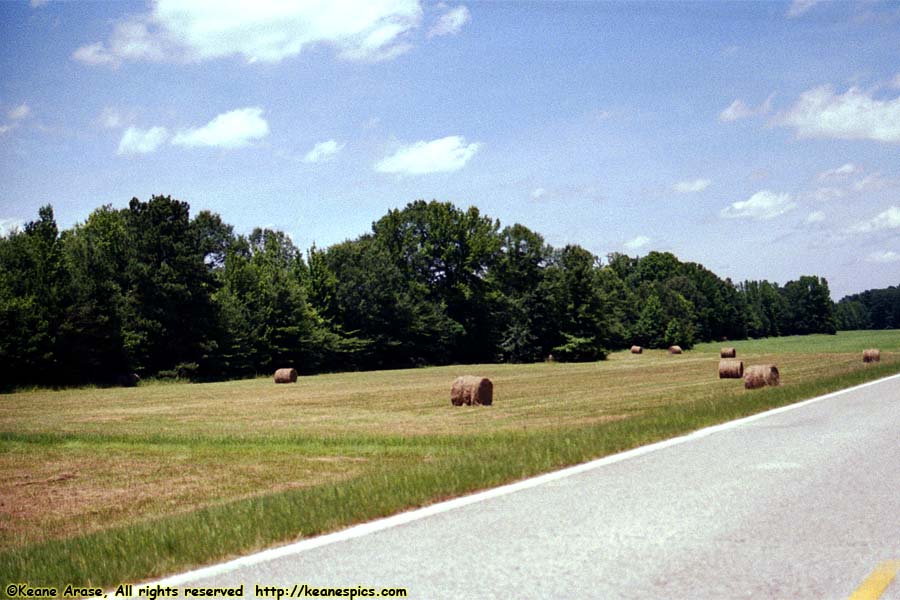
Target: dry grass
[{"x": 79, "y": 461}]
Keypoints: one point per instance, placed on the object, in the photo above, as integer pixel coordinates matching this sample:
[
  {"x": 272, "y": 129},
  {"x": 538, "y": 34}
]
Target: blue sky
[{"x": 761, "y": 139}]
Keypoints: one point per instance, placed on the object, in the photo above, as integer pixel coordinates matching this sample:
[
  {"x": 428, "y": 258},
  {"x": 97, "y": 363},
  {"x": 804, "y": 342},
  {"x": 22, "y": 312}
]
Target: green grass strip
[{"x": 155, "y": 548}]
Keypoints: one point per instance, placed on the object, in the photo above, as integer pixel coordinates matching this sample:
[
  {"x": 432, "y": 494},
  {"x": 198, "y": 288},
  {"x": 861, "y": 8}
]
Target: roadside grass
[{"x": 106, "y": 486}]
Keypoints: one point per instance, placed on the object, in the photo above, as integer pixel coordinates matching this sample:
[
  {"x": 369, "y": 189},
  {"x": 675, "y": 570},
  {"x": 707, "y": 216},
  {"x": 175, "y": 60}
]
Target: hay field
[{"x": 87, "y": 467}]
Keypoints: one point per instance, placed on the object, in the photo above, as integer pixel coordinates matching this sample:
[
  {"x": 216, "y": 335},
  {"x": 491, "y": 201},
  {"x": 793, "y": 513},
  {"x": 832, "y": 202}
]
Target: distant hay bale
[
  {"x": 757, "y": 376},
  {"x": 636, "y": 350},
  {"x": 128, "y": 379},
  {"x": 727, "y": 353},
  {"x": 286, "y": 376},
  {"x": 871, "y": 355},
  {"x": 674, "y": 349},
  {"x": 469, "y": 390},
  {"x": 731, "y": 369}
]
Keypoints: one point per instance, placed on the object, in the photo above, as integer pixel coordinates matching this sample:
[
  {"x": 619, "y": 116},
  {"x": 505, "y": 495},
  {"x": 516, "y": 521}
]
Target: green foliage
[{"x": 149, "y": 290}]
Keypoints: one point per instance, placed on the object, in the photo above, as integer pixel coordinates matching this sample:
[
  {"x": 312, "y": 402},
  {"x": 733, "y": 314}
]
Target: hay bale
[
  {"x": 757, "y": 376},
  {"x": 731, "y": 369},
  {"x": 636, "y": 350},
  {"x": 469, "y": 389},
  {"x": 128, "y": 379},
  {"x": 286, "y": 376},
  {"x": 727, "y": 353},
  {"x": 674, "y": 349},
  {"x": 871, "y": 355}
]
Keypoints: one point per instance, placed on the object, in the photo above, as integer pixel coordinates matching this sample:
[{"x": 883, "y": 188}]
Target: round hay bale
[
  {"x": 286, "y": 376},
  {"x": 731, "y": 369},
  {"x": 674, "y": 349},
  {"x": 727, "y": 353},
  {"x": 469, "y": 389},
  {"x": 757, "y": 376},
  {"x": 872, "y": 355},
  {"x": 637, "y": 350}
]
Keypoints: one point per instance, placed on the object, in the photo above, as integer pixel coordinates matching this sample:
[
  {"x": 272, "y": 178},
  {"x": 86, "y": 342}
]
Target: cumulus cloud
[
  {"x": 761, "y": 206},
  {"x": 265, "y": 31},
  {"x": 538, "y": 193},
  {"x": 815, "y": 217},
  {"x": 637, "y": 243},
  {"x": 234, "y": 129},
  {"x": 691, "y": 186},
  {"x": 110, "y": 118},
  {"x": 8, "y": 226},
  {"x": 841, "y": 172},
  {"x": 451, "y": 22},
  {"x": 142, "y": 141},
  {"x": 889, "y": 219},
  {"x": 739, "y": 110},
  {"x": 799, "y": 7},
  {"x": 885, "y": 256},
  {"x": 323, "y": 151},
  {"x": 4, "y": 128},
  {"x": 446, "y": 154},
  {"x": 19, "y": 112},
  {"x": 853, "y": 115}
]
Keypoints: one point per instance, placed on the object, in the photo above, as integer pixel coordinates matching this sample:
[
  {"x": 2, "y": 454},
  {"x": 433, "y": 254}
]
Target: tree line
[
  {"x": 872, "y": 309},
  {"x": 151, "y": 290}
]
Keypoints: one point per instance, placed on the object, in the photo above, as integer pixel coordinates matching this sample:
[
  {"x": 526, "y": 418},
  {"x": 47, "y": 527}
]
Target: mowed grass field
[{"x": 106, "y": 486}]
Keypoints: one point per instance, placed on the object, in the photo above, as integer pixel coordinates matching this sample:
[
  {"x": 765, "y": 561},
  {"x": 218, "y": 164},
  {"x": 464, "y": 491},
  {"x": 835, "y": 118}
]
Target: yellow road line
[{"x": 875, "y": 584}]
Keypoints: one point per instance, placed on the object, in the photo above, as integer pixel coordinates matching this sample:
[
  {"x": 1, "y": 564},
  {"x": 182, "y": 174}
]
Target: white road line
[{"x": 434, "y": 509}]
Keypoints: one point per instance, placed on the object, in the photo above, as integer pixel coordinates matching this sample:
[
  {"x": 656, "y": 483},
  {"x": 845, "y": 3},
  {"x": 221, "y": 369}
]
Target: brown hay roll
[
  {"x": 731, "y": 369},
  {"x": 757, "y": 376},
  {"x": 871, "y": 355},
  {"x": 286, "y": 376},
  {"x": 636, "y": 350},
  {"x": 674, "y": 349},
  {"x": 727, "y": 353},
  {"x": 469, "y": 389}
]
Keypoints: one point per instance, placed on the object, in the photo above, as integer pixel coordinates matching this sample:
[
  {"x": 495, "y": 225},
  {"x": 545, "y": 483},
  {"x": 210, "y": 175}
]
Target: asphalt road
[{"x": 803, "y": 503}]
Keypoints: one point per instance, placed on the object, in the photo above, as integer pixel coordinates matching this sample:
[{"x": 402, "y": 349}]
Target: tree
[{"x": 33, "y": 294}]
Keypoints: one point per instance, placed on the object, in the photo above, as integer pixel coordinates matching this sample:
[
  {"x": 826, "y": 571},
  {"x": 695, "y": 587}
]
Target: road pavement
[{"x": 798, "y": 503}]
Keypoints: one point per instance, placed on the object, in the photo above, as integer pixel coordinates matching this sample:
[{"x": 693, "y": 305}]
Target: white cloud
[
  {"x": 691, "y": 186},
  {"x": 854, "y": 115},
  {"x": 886, "y": 256},
  {"x": 889, "y": 219},
  {"x": 815, "y": 217},
  {"x": 261, "y": 31},
  {"x": 142, "y": 141},
  {"x": 5, "y": 128},
  {"x": 875, "y": 181},
  {"x": 38, "y": 3},
  {"x": 824, "y": 194},
  {"x": 895, "y": 82},
  {"x": 739, "y": 110},
  {"x": 637, "y": 243},
  {"x": 451, "y": 22},
  {"x": 799, "y": 7},
  {"x": 110, "y": 118},
  {"x": 94, "y": 54},
  {"x": 841, "y": 172},
  {"x": 234, "y": 129},
  {"x": 323, "y": 151},
  {"x": 538, "y": 193},
  {"x": 446, "y": 154},
  {"x": 19, "y": 112},
  {"x": 7, "y": 226},
  {"x": 761, "y": 206}
]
